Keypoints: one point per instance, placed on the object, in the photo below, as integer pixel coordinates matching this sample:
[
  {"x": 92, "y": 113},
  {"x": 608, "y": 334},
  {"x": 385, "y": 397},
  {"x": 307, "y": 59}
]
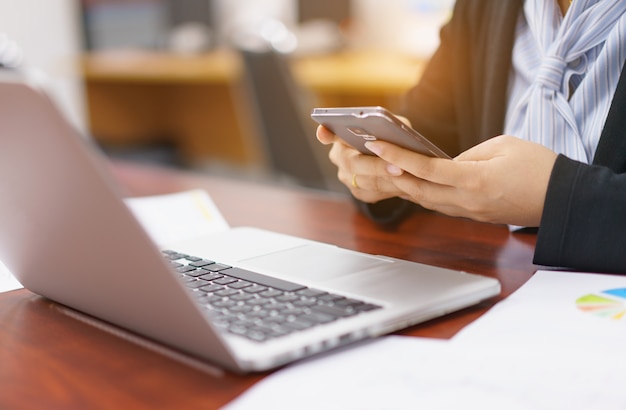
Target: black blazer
[{"x": 460, "y": 101}]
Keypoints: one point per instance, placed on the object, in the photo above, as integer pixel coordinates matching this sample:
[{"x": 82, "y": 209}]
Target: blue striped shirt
[{"x": 591, "y": 80}]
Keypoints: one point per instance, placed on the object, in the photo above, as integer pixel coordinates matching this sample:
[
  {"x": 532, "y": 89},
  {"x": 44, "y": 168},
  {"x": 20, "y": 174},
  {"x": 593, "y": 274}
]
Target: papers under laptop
[{"x": 245, "y": 299}]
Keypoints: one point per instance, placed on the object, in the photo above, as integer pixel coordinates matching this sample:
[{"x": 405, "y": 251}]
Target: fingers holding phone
[
  {"x": 324, "y": 135},
  {"x": 366, "y": 176},
  {"x": 369, "y": 178}
]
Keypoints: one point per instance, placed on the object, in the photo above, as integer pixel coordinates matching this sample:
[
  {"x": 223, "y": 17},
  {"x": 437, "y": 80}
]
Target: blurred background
[{"x": 220, "y": 86}]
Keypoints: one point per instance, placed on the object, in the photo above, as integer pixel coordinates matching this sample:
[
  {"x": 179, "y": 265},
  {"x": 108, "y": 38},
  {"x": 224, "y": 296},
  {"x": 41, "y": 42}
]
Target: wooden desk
[
  {"x": 198, "y": 102},
  {"x": 49, "y": 360}
]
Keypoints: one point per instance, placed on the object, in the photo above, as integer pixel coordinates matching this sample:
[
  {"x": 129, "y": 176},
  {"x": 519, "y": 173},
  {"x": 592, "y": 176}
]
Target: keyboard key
[
  {"x": 206, "y": 299},
  {"x": 240, "y": 309},
  {"x": 197, "y": 273},
  {"x": 305, "y": 302},
  {"x": 331, "y": 298},
  {"x": 348, "y": 302},
  {"x": 194, "y": 284},
  {"x": 227, "y": 292},
  {"x": 174, "y": 255},
  {"x": 318, "y": 317},
  {"x": 211, "y": 288},
  {"x": 271, "y": 293},
  {"x": 256, "y": 336},
  {"x": 238, "y": 330},
  {"x": 264, "y": 280},
  {"x": 241, "y": 297},
  {"x": 293, "y": 311},
  {"x": 225, "y": 280},
  {"x": 216, "y": 267},
  {"x": 311, "y": 293},
  {"x": 240, "y": 284},
  {"x": 209, "y": 276},
  {"x": 257, "y": 301},
  {"x": 290, "y": 297},
  {"x": 202, "y": 263},
  {"x": 224, "y": 303},
  {"x": 335, "y": 310},
  {"x": 275, "y": 318},
  {"x": 254, "y": 289},
  {"x": 185, "y": 269},
  {"x": 299, "y": 324},
  {"x": 258, "y": 314},
  {"x": 366, "y": 307}
]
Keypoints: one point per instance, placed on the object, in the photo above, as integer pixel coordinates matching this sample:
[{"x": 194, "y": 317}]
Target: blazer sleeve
[{"x": 584, "y": 219}]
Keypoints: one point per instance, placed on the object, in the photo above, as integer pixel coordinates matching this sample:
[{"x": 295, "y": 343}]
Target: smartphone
[{"x": 357, "y": 125}]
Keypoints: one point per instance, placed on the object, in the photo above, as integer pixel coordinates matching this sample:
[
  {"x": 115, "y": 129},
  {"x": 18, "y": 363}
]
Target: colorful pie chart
[{"x": 609, "y": 304}]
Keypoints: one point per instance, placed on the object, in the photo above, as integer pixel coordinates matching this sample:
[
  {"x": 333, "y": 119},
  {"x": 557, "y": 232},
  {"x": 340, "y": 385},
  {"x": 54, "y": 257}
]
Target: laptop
[{"x": 245, "y": 299}]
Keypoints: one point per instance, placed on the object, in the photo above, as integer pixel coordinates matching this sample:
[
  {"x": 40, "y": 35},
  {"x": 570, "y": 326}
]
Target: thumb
[{"x": 324, "y": 135}]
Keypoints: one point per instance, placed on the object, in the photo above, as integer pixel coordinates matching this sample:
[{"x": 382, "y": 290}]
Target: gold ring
[{"x": 354, "y": 184}]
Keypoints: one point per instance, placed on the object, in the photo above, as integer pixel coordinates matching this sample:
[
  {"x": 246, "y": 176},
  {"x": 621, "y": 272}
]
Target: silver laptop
[{"x": 245, "y": 299}]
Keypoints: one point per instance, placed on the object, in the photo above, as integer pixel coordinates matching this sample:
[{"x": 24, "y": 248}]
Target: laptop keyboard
[{"x": 257, "y": 306}]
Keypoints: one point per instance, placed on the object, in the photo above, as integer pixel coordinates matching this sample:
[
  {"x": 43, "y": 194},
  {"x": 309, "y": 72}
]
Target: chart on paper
[{"x": 609, "y": 303}]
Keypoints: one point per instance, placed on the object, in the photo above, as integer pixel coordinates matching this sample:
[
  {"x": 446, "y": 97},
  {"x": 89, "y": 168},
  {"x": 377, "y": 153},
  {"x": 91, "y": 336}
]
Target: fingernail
[
  {"x": 394, "y": 170},
  {"x": 372, "y": 147}
]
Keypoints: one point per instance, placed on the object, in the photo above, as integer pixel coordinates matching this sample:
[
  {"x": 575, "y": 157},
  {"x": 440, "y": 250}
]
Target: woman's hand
[
  {"x": 369, "y": 178},
  {"x": 502, "y": 180}
]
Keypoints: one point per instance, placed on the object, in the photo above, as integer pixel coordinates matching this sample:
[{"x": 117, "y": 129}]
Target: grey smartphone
[{"x": 357, "y": 125}]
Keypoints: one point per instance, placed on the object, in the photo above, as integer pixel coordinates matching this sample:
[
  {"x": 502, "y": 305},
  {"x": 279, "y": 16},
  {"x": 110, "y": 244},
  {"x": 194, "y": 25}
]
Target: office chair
[{"x": 283, "y": 123}]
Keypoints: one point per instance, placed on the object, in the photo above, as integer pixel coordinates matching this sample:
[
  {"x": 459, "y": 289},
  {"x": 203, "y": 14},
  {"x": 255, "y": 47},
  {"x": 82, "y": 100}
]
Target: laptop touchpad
[{"x": 315, "y": 261}]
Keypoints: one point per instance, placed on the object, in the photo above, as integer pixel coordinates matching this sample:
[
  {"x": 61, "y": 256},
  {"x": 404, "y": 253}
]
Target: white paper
[
  {"x": 177, "y": 217},
  {"x": 554, "y": 308},
  {"x": 400, "y": 372},
  {"x": 7, "y": 280}
]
